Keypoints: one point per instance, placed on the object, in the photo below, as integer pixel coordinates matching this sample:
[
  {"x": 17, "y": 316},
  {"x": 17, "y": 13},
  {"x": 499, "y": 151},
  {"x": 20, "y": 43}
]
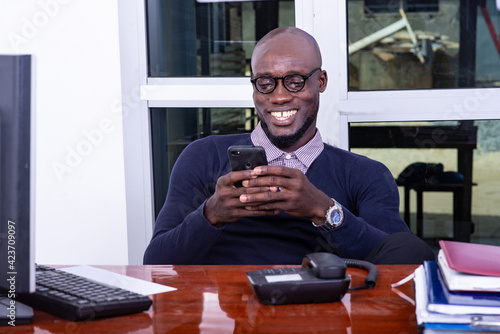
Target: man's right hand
[{"x": 224, "y": 206}]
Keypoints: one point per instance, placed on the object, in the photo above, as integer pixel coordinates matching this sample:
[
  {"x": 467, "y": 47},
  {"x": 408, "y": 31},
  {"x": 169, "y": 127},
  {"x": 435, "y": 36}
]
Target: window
[
  {"x": 425, "y": 69},
  {"x": 468, "y": 147},
  {"x": 423, "y": 44},
  {"x": 209, "y": 38}
]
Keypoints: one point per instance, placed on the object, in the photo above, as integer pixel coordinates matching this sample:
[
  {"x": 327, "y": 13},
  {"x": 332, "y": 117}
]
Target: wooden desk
[{"x": 219, "y": 299}]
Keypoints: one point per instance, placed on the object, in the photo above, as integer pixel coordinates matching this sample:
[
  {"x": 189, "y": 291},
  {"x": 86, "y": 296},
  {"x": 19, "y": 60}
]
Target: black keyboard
[{"x": 77, "y": 298}]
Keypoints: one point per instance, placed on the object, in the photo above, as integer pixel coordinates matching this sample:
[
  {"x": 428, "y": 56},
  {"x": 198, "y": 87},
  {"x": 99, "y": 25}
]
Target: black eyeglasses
[{"x": 292, "y": 82}]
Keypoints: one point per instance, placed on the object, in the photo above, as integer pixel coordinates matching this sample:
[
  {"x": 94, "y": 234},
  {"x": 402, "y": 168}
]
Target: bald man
[{"x": 310, "y": 197}]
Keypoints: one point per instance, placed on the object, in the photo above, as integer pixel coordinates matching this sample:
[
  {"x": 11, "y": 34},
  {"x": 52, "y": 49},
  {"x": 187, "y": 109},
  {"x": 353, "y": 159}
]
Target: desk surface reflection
[{"x": 219, "y": 299}]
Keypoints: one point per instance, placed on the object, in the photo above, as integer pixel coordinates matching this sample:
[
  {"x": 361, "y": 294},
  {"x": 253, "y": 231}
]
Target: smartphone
[
  {"x": 246, "y": 157},
  {"x": 243, "y": 157}
]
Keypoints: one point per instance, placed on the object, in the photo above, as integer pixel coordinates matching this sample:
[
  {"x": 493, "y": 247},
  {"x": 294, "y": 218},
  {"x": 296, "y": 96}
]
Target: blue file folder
[{"x": 440, "y": 299}]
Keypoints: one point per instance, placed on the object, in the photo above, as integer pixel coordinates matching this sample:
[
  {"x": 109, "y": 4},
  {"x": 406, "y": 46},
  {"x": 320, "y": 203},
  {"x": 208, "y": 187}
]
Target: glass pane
[
  {"x": 423, "y": 44},
  {"x": 209, "y": 38},
  {"x": 446, "y": 143},
  {"x": 174, "y": 128}
]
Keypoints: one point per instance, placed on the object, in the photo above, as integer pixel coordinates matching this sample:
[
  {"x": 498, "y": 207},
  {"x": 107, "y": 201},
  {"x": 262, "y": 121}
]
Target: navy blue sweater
[{"x": 182, "y": 235}]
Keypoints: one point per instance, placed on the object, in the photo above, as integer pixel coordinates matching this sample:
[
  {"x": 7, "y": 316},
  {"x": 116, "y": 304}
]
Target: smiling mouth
[{"x": 283, "y": 115}]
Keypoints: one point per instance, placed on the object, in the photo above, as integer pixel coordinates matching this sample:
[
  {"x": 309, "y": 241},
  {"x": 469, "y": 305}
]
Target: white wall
[{"x": 81, "y": 212}]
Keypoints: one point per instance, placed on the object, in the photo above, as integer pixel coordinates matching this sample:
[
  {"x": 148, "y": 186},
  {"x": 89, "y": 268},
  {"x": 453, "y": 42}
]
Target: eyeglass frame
[{"x": 275, "y": 79}]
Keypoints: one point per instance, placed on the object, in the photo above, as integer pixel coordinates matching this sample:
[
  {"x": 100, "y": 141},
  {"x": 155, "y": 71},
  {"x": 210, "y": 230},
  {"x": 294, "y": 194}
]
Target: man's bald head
[{"x": 288, "y": 38}]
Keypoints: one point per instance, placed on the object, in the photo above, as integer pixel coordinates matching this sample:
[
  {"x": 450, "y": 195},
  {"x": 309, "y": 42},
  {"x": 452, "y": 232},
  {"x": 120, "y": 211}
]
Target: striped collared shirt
[{"x": 301, "y": 159}]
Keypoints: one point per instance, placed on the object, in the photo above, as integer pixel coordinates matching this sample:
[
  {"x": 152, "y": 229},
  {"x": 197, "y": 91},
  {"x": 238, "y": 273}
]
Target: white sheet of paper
[{"x": 121, "y": 281}]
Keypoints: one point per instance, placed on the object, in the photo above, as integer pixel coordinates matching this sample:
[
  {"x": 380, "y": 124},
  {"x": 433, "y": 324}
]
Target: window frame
[{"x": 326, "y": 21}]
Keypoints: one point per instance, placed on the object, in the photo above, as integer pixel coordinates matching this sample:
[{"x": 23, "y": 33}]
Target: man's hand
[
  {"x": 225, "y": 206},
  {"x": 296, "y": 196}
]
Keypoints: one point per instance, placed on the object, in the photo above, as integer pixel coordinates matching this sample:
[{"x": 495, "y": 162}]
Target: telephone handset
[
  {"x": 325, "y": 265},
  {"x": 321, "y": 279}
]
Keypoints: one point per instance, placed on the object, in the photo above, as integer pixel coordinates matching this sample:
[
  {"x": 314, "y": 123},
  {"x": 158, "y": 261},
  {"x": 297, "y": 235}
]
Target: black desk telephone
[{"x": 321, "y": 279}]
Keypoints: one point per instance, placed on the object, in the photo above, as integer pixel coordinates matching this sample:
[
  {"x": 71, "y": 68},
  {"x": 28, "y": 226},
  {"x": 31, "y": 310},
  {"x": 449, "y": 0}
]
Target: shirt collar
[{"x": 306, "y": 154}]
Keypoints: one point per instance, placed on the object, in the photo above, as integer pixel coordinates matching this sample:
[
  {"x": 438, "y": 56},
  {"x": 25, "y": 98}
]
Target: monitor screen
[{"x": 17, "y": 264}]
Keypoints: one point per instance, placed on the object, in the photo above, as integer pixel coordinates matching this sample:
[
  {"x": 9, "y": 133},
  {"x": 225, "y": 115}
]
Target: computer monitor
[{"x": 17, "y": 263}]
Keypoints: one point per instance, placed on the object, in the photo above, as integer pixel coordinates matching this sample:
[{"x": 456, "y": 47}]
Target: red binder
[{"x": 472, "y": 258}]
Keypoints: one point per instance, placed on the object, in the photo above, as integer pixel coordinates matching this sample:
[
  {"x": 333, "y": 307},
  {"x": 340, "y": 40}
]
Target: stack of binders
[{"x": 460, "y": 291}]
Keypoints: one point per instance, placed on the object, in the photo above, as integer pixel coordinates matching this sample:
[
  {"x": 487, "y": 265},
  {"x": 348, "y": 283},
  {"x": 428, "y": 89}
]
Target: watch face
[{"x": 336, "y": 217}]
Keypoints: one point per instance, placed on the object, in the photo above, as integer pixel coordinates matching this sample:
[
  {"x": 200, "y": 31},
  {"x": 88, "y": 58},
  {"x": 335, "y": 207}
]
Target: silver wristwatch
[{"x": 334, "y": 217}]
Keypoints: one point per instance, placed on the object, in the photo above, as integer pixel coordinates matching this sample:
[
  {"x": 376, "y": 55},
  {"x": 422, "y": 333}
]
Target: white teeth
[{"x": 283, "y": 115}]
